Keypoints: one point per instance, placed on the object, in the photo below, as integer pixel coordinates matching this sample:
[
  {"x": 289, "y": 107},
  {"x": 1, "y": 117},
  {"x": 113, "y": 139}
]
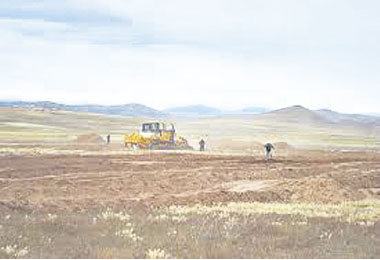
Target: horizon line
[{"x": 183, "y": 106}]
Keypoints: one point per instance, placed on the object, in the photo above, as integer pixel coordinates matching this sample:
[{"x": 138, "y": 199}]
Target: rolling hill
[
  {"x": 254, "y": 110},
  {"x": 302, "y": 115},
  {"x": 133, "y": 109},
  {"x": 340, "y": 117},
  {"x": 294, "y": 114}
]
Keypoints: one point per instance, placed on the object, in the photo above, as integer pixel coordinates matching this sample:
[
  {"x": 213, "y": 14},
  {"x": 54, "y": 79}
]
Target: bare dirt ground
[{"x": 79, "y": 182}]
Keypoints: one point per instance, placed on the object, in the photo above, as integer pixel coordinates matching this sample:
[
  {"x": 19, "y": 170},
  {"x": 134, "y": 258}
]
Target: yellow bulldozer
[{"x": 156, "y": 135}]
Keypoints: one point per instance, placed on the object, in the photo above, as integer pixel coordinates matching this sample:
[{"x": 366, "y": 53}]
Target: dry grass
[
  {"x": 234, "y": 230},
  {"x": 352, "y": 212}
]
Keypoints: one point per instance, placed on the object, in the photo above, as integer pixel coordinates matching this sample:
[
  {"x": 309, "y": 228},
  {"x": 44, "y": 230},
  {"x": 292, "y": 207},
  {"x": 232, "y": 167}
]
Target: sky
[{"x": 221, "y": 53}]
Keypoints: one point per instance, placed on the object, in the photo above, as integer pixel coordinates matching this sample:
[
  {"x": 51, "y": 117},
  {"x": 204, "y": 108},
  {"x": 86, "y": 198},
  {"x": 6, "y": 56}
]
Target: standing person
[
  {"x": 202, "y": 145},
  {"x": 268, "y": 150},
  {"x": 108, "y": 139}
]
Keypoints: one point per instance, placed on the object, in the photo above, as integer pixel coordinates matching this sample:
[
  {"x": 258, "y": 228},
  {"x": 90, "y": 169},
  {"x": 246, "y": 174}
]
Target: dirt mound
[
  {"x": 89, "y": 139},
  {"x": 283, "y": 146},
  {"x": 317, "y": 190},
  {"x": 309, "y": 190},
  {"x": 248, "y": 185},
  {"x": 239, "y": 145},
  {"x": 229, "y": 144}
]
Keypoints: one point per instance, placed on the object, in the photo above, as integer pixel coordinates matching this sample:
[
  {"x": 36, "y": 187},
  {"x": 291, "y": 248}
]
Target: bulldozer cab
[
  {"x": 157, "y": 127},
  {"x": 156, "y": 135}
]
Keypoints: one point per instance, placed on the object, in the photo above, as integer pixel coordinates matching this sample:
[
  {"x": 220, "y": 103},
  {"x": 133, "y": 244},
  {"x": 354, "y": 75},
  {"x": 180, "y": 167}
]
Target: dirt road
[{"x": 76, "y": 182}]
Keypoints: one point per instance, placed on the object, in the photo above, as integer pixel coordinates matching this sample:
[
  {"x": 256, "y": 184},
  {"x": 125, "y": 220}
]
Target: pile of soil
[
  {"x": 308, "y": 190},
  {"x": 318, "y": 190},
  {"x": 89, "y": 139},
  {"x": 238, "y": 145},
  {"x": 283, "y": 146},
  {"x": 228, "y": 144}
]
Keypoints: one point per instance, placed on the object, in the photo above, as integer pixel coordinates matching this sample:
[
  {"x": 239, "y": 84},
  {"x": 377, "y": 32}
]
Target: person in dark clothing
[
  {"x": 268, "y": 150},
  {"x": 108, "y": 139},
  {"x": 202, "y": 145}
]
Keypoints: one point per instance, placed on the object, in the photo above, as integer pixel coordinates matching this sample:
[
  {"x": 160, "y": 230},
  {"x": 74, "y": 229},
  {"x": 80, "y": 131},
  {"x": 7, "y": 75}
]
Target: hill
[
  {"x": 134, "y": 110},
  {"x": 324, "y": 120},
  {"x": 254, "y": 110},
  {"x": 294, "y": 114},
  {"x": 340, "y": 117}
]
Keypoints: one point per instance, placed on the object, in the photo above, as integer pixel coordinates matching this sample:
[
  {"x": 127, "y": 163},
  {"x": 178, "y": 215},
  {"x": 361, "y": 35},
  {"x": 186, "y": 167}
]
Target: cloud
[
  {"x": 57, "y": 11},
  {"x": 224, "y": 22},
  {"x": 220, "y": 53}
]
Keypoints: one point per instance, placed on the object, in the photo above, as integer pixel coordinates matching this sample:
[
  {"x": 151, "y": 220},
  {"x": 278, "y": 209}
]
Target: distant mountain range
[
  {"x": 321, "y": 118},
  {"x": 339, "y": 117},
  {"x": 255, "y": 110},
  {"x": 295, "y": 114},
  {"x": 134, "y": 109},
  {"x": 122, "y": 110}
]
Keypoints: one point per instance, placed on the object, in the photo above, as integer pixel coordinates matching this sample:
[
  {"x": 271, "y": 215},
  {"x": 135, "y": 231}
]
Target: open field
[
  {"x": 69, "y": 181},
  {"x": 63, "y": 197},
  {"x": 190, "y": 205}
]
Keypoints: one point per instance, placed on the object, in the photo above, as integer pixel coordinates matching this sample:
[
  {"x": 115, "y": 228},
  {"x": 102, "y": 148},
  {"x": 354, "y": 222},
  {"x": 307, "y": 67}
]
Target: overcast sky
[{"x": 222, "y": 53}]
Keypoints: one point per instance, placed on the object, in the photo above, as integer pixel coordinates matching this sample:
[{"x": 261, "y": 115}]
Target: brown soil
[
  {"x": 78, "y": 182},
  {"x": 228, "y": 144},
  {"x": 282, "y": 146},
  {"x": 89, "y": 139},
  {"x": 321, "y": 190}
]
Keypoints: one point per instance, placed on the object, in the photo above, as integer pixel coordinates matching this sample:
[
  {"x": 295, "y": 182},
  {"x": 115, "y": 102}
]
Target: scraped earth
[{"x": 78, "y": 182}]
